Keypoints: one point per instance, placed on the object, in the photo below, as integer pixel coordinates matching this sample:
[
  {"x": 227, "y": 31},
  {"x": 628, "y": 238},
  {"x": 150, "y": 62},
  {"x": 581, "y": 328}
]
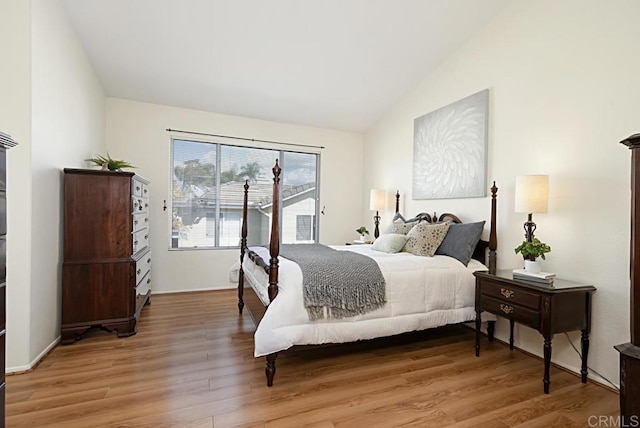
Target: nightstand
[{"x": 557, "y": 308}]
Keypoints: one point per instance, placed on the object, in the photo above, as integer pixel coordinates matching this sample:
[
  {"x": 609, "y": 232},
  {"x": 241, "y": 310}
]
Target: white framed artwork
[{"x": 450, "y": 150}]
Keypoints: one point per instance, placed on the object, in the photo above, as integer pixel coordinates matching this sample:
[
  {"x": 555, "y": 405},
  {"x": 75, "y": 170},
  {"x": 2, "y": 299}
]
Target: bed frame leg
[
  {"x": 491, "y": 329},
  {"x": 270, "y": 370},
  {"x": 241, "y": 292}
]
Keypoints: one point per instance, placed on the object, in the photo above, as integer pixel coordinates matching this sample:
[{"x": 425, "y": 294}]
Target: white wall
[
  {"x": 136, "y": 132},
  {"x": 15, "y": 119},
  {"x": 563, "y": 80},
  {"x": 67, "y": 125}
]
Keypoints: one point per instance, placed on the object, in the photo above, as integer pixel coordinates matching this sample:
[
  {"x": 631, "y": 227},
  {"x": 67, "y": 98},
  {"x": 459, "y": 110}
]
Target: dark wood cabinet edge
[
  {"x": 523, "y": 283},
  {"x": 137, "y": 256},
  {"x": 102, "y": 172}
]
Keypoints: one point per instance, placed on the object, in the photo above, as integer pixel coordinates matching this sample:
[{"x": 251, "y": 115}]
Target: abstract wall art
[{"x": 450, "y": 150}]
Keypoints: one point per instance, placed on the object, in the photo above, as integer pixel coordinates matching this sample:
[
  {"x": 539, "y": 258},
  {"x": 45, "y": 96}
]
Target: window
[
  {"x": 207, "y": 182},
  {"x": 304, "y": 228}
]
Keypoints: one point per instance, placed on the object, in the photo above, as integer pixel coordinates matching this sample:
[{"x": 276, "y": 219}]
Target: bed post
[
  {"x": 397, "y": 201},
  {"x": 243, "y": 246},
  {"x": 274, "y": 251},
  {"x": 493, "y": 235},
  {"x": 274, "y": 241}
]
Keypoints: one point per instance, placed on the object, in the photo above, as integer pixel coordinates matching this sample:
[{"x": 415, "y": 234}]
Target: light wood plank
[{"x": 191, "y": 365}]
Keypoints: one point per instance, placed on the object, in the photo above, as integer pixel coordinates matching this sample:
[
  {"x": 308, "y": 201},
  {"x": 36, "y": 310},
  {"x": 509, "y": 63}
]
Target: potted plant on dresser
[{"x": 531, "y": 250}]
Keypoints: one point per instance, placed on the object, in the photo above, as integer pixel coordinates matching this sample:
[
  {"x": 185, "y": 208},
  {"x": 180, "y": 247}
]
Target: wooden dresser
[
  {"x": 106, "y": 274},
  {"x": 5, "y": 143}
]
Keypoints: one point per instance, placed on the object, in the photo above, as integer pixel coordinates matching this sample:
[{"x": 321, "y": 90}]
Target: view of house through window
[{"x": 207, "y": 193}]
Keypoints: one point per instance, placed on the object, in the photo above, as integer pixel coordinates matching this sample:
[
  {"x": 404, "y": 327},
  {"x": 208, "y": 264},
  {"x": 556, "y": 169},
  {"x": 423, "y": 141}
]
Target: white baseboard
[
  {"x": 191, "y": 290},
  {"x": 36, "y": 360}
]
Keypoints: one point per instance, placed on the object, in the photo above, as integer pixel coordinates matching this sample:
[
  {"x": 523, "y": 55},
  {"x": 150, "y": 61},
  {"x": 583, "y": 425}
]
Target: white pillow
[{"x": 389, "y": 243}]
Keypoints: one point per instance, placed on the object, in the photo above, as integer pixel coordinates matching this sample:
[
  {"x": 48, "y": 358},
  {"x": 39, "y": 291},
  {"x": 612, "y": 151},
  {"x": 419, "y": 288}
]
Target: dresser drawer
[
  {"x": 143, "y": 266},
  {"x": 140, "y": 221},
  {"x": 145, "y": 191},
  {"x": 509, "y": 310},
  {"x": 144, "y": 285},
  {"x": 3, "y": 307},
  {"x": 510, "y": 295},
  {"x": 136, "y": 188},
  {"x": 140, "y": 240},
  {"x": 140, "y": 205},
  {"x": 2, "y": 354}
]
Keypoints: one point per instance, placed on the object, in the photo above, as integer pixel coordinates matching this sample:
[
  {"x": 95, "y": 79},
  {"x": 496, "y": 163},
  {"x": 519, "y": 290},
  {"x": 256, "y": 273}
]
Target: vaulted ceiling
[{"x": 337, "y": 64}]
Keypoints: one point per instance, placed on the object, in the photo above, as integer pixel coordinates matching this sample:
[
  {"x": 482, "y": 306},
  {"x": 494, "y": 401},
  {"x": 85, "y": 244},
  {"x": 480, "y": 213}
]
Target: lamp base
[
  {"x": 376, "y": 221},
  {"x": 529, "y": 228}
]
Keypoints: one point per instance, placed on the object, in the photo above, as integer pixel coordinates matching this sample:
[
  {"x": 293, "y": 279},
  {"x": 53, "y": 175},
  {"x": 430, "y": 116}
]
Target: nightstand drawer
[
  {"x": 511, "y": 294},
  {"x": 509, "y": 310}
]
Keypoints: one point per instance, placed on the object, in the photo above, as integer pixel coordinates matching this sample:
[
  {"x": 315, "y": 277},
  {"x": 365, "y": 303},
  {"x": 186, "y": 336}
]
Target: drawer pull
[
  {"x": 145, "y": 190},
  {"x": 137, "y": 187},
  {"x": 146, "y": 236},
  {"x": 138, "y": 271},
  {"x": 149, "y": 260},
  {"x": 135, "y": 243},
  {"x": 506, "y": 309},
  {"x": 146, "y": 220},
  {"x": 148, "y": 280},
  {"x": 146, "y": 205},
  {"x": 507, "y": 293},
  {"x": 135, "y": 222}
]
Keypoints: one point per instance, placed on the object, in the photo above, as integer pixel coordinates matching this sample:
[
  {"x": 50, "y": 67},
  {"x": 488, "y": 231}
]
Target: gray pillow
[
  {"x": 389, "y": 243},
  {"x": 461, "y": 241},
  {"x": 398, "y": 227}
]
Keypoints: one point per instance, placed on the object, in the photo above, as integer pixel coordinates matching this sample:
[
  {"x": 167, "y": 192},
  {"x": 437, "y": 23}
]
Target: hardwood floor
[{"x": 191, "y": 365}]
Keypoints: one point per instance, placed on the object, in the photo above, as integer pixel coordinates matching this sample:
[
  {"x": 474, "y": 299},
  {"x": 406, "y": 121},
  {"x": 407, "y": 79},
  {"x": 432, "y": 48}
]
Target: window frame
[{"x": 281, "y": 161}]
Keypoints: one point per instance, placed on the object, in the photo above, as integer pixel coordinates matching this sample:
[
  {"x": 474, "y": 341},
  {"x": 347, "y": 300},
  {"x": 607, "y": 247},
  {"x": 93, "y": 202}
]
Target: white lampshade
[
  {"x": 377, "y": 200},
  {"x": 532, "y": 193}
]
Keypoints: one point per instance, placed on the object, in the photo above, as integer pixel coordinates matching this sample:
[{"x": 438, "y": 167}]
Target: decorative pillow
[
  {"x": 424, "y": 238},
  {"x": 389, "y": 243},
  {"x": 399, "y": 227},
  {"x": 461, "y": 241}
]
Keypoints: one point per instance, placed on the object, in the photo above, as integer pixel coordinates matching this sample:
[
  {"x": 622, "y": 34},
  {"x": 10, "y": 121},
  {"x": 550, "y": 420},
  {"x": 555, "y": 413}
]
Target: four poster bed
[{"x": 421, "y": 292}]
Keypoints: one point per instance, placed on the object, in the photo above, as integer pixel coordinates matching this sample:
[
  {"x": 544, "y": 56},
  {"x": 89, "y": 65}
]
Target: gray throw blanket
[{"x": 343, "y": 282}]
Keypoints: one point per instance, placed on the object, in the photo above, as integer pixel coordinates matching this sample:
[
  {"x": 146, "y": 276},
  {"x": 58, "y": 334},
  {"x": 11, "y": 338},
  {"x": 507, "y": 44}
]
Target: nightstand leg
[
  {"x": 585, "y": 351},
  {"x": 491, "y": 330},
  {"x": 511, "y": 323},
  {"x": 547, "y": 363},
  {"x": 478, "y": 323}
]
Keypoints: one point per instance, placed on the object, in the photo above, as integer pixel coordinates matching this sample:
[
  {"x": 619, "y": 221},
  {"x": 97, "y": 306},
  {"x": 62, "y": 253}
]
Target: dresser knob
[
  {"x": 146, "y": 236},
  {"x": 506, "y": 309},
  {"x": 149, "y": 260},
  {"x": 508, "y": 294},
  {"x": 138, "y": 271},
  {"x": 135, "y": 222},
  {"x": 148, "y": 280}
]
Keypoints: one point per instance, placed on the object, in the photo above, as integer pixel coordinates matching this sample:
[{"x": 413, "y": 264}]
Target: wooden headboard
[{"x": 480, "y": 252}]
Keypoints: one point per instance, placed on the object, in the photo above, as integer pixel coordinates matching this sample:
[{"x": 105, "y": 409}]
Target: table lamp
[{"x": 532, "y": 196}]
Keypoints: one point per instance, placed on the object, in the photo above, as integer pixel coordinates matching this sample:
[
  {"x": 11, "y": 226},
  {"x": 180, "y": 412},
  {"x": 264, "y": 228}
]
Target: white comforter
[{"x": 422, "y": 292}]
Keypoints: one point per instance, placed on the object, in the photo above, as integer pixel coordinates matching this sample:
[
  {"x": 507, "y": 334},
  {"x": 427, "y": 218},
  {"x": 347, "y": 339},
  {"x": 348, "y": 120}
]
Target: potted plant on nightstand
[
  {"x": 531, "y": 251},
  {"x": 362, "y": 231}
]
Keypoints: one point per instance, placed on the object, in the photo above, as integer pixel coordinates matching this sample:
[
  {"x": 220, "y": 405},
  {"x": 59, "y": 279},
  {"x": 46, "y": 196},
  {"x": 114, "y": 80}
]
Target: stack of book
[{"x": 540, "y": 277}]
